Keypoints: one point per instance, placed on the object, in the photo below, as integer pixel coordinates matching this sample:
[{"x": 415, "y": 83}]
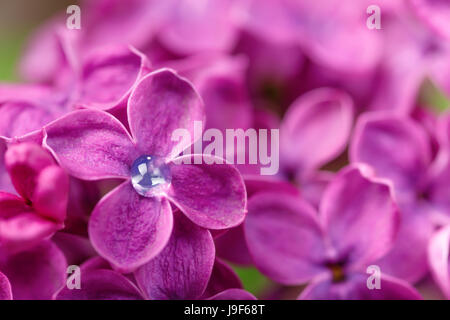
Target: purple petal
[
  {"x": 255, "y": 184},
  {"x": 91, "y": 145},
  {"x": 355, "y": 288},
  {"x": 211, "y": 195},
  {"x": 316, "y": 128},
  {"x": 182, "y": 270},
  {"x": 128, "y": 230},
  {"x": 233, "y": 294},
  {"x": 45, "y": 54},
  {"x": 437, "y": 191},
  {"x": 101, "y": 285},
  {"x": 222, "y": 278},
  {"x": 438, "y": 258},
  {"x": 313, "y": 185},
  {"x": 396, "y": 147},
  {"x": 20, "y": 227},
  {"x": 330, "y": 32},
  {"x": 5, "y": 181},
  {"x": 20, "y": 117},
  {"x": 434, "y": 13},
  {"x": 223, "y": 89},
  {"x": 161, "y": 103},
  {"x": 5, "y": 288},
  {"x": 95, "y": 263},
  {"x": 407, "y": 259},
  {"x": 196, "y": 27},
  {"x": 76, "y": 248},
  {"x": 51, "y": 193},
  {"x": 109, "y": 75},
  {"x": 24, "y": 162},
  {"x": 232, "y": 246},
  {"x": 35, "y": 274},
  {"x": 114, "y": 22},
  {"x": 356, "y": 203},
  {"x": 283, "y": 228}
]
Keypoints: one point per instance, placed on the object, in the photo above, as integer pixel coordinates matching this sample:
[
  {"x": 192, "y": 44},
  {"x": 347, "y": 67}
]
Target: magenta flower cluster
[{"x": 90, "y": 175}]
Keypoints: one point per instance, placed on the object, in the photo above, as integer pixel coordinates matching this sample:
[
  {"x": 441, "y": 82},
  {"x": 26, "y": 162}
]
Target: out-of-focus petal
[
  {"x": 5, "y": 180},
  {"x": 19, "y": 118},
  {"x": 316, "y": 128},
  {"x": 435, "y": 13},
  {"x": 354, "y": 204},
  {"x": 200, "y": 26},
  {"x": 182, "y": 270},
  {"x": 35, "y": 274},
  {"x": 76, "y": 248},
  {"x": 284, "y": 238},
  {"x": 101, "y": 285},
  {"x": 233, "y": 294},
  {"x": 222, "y": 278},
  {"x": 396, "y": 147},
  {"x": 438, "y": 258},
  {"x": 161, "y": 103},
  {"x": 223, "y": 90},
  {"x": 109, "y": 76},
  {"x": 91, "y": 145},
  {"x": 110, "y": 22},
  {"x": 211, "y": 195},
  {"x": 313, "y": 184},
  {"x": 46, "y": 53},
  {"x": 333, "y": 33},
  {"x": 355, "y": 288},
  {"x": 232, "y": 246},
  {"x": 407, "y": 259},
  {"x": 128, "y": 229}
]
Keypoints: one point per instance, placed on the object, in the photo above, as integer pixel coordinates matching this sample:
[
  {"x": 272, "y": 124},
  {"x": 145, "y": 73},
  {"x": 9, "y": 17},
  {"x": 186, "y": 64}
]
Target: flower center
[
  {"x": 150, "y": 175},
  {"x": 337, "y": 271}
]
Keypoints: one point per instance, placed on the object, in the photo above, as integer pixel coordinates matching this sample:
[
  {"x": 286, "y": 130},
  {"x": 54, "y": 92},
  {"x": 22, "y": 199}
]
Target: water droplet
[{"x": 150, "y": 175}]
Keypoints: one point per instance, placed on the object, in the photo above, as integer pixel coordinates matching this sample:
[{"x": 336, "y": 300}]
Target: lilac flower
[
  {"x": 36, "y": 273},
  {"x": 330, "y": 32},
  {"x": 133, "y": 223},
  {"x": 40, "y": 209},
  {"x": 292, "y": 244},
  {"x": 185, "y": 269},
  {"x": 438, "y": 258},
  {"x": 399, "y": 149}
]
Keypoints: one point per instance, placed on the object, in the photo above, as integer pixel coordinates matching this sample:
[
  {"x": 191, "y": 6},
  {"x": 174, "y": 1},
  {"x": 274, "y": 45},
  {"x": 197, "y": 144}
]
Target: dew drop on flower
[{"x": 150, "y": 175}]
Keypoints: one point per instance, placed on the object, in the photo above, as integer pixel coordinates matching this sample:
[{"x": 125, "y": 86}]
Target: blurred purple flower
[
  {"x": 292, "y": 244},
  {"x": 399, "y": 149},
  {"x": 434, "y": 13},
  {"x": 130, "y": 225}
]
